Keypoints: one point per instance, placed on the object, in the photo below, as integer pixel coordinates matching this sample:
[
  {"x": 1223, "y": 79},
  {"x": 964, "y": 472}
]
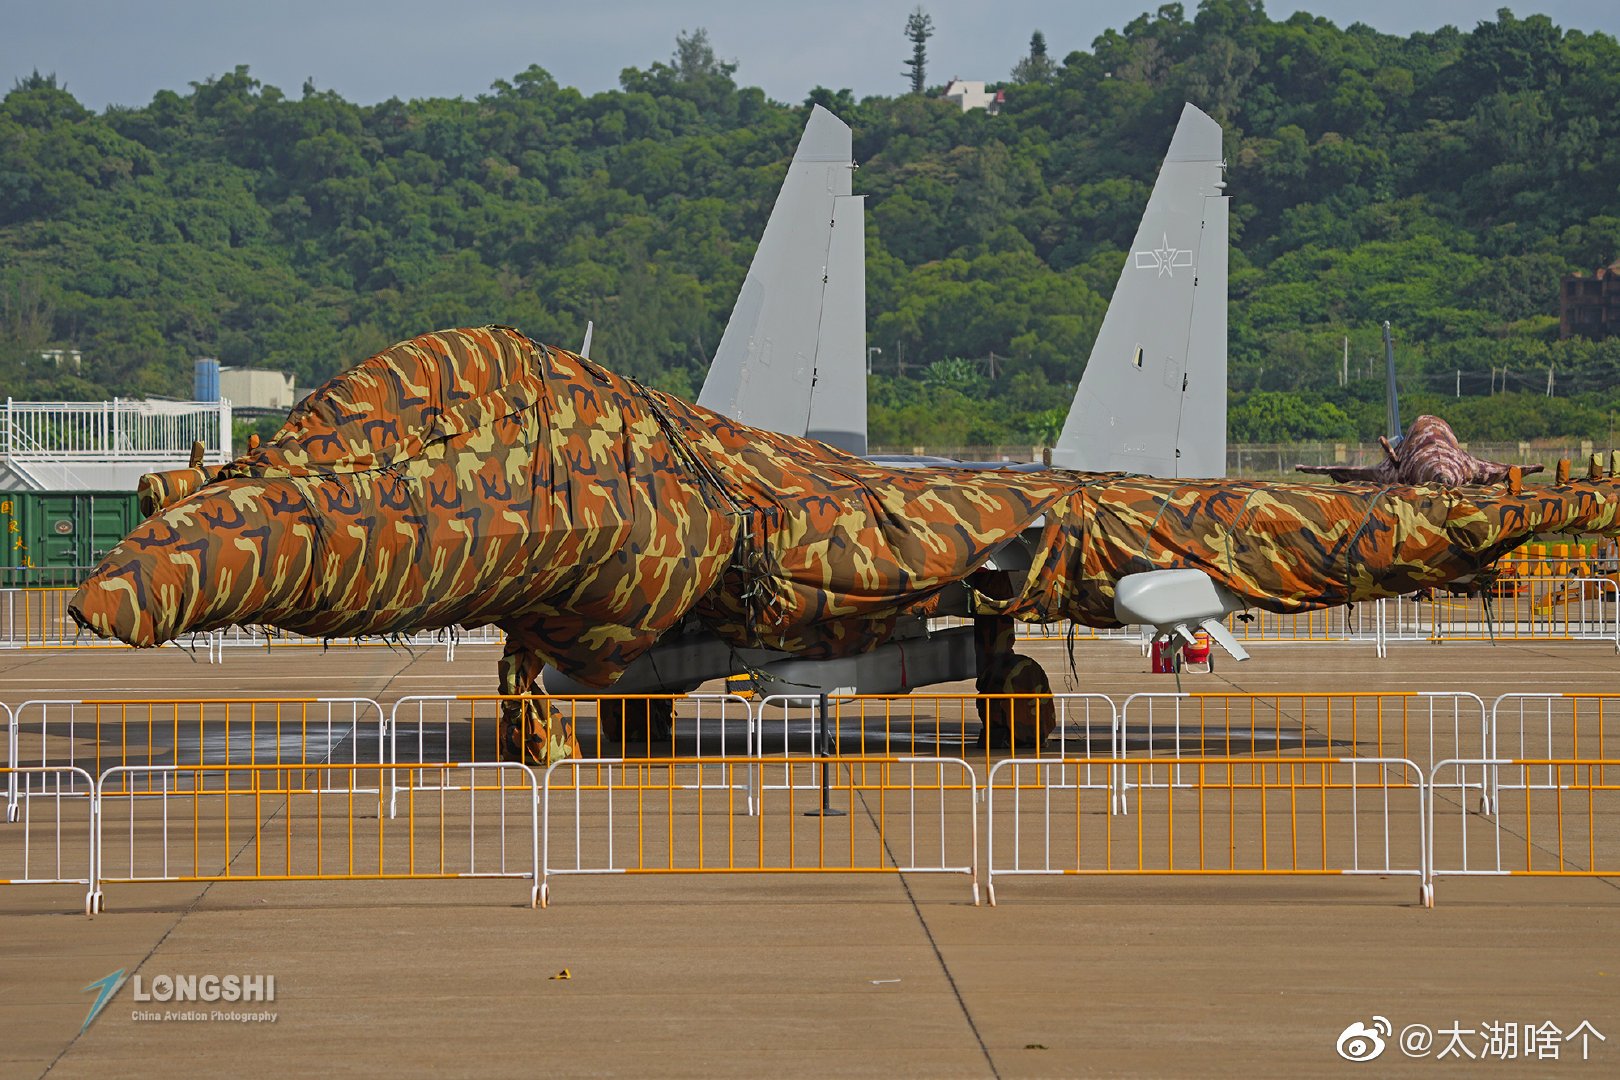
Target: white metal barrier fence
[
  {"x": 1539, "y": 766},
  {"x": 1542, "y": 609},
  {"x": 1550, "y": 726},
  {"x": 1228, "y": 816},
  {"x": 51, "y": 839},
  {"x": 881, "y": 814},
  {"x": 946, "y": 725}
]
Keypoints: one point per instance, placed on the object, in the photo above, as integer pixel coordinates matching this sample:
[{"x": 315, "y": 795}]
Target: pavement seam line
[
  {"x": 207, "y": 888},
  {"x": 928, "y": 932}
]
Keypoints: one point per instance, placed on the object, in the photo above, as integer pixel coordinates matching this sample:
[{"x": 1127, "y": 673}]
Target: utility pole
[
  {"x": 1392, "y": 403},
  {"x": 1549, "y": 380},
  {"x": 1344, "y": 371}
]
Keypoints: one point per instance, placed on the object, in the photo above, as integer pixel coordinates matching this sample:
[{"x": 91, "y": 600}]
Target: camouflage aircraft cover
[
  {"x": 1428, "y": 453},
  {"x": 474, "y": 476}
]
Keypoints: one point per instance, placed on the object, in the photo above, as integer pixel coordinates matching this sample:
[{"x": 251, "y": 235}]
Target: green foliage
[
  {"x": 1037, "y": 67},
  {"x": 1443, "y": 181}
]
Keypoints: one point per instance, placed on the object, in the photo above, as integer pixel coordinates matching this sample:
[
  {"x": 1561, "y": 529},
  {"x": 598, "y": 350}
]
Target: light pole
[{"x": 870, "y": 349}]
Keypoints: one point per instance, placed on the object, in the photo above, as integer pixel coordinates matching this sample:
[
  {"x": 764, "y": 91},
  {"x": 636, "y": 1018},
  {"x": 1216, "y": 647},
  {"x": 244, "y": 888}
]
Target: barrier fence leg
[
  {"x": 11, "y": 762},
  {"x": 826, "y": 749}
]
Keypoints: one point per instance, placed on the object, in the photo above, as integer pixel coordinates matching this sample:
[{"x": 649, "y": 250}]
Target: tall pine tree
[{"x": 919, "y": 28}]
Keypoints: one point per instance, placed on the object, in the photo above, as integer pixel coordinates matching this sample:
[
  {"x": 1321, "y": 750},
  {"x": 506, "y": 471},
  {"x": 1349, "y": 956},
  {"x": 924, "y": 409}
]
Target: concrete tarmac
[{"x": 812, "y": 975}]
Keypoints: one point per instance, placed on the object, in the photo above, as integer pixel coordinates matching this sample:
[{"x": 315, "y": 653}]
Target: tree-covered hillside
[{"x": 1443, "y": 181}]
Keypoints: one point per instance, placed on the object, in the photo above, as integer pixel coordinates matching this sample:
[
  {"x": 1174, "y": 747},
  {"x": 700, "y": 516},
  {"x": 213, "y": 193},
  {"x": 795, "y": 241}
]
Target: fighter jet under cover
[{"x": 474, "y": 476}]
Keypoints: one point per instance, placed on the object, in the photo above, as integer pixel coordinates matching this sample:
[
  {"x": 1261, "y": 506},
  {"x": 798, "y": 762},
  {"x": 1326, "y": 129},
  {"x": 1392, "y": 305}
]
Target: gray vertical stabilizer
[
  {"x": 792, "y": 358},
  {"x": 838, "y": 398},
  {"x": 1152, "y": 398}
]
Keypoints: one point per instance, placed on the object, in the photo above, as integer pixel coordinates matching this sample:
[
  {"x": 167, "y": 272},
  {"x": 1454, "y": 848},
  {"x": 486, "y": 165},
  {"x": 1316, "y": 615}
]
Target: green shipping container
[{"x": 56, "y": 537}]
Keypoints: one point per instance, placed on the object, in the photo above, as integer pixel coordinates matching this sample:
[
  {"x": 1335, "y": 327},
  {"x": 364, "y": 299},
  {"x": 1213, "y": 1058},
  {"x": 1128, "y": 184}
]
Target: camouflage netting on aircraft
[{"x": 473, "y": 476}]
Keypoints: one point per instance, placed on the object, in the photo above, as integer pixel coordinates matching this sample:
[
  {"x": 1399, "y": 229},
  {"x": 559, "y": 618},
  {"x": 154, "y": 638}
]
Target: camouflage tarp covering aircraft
[{"x": 474, "y": 476}]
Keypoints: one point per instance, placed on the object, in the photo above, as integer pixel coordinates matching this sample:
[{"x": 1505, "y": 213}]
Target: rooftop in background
[
  {"x": 1590, "y": 306},
  {"x": 973, "y": 95}
]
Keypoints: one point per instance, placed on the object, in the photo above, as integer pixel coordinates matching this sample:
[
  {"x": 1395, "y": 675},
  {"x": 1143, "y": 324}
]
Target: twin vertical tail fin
[
  {"x": 1152, "y": 398},
  {"x": 792, "y": 358}
]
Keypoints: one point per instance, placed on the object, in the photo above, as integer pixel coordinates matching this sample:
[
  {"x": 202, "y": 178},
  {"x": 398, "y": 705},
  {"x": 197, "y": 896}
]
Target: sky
[{"x": 122, "y": 52}]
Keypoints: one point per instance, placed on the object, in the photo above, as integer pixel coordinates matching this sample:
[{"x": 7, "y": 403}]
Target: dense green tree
[
  {"x": 1444, "y": 181},
  {"x": 1037, "y": 67}
]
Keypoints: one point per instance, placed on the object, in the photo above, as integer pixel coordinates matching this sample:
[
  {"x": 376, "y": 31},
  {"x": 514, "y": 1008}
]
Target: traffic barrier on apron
[
  {"x": 1420, "y": 726},
  {"x": 317, "y": 822},
  {"x": 444, "y": 727},
  {"x": 879, "y": 814},
  {"x": 1548, "y": 726},
  {"x": 51, "y": 838},
  {"x": 1226, "y": 816},
  {"x": 97, "y": 735},
  {"x": 1554, "y": 817}
]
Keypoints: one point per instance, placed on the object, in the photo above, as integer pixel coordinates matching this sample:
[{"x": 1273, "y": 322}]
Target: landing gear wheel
[
  {"x": 1020, "y": 722},
  {"x": 646, "y": 722}
]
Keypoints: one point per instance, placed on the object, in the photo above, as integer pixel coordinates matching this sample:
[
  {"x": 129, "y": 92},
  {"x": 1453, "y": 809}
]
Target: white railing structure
[
  {"x": 52, "y": 838},
  {"x": 11, "y": 760},
  {"x": 465, "y": 727},
  {"x": 1549, "y": 726},
  {"x": 56, "y": 444},
  {"x": 1085, "y": 726}
]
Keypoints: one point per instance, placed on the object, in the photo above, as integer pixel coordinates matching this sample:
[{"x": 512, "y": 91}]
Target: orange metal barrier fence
[
  {"x": 98, "y": 735},
  {"x": 664, "y": 816},
  {"x": 975, "y": 727},
  {"x": 315, "y": 822},
  {"x": 1555, "y": 817},
  {"x": 1420, "y": 726},
  {"x": 464, "y": 727},
  {"x": 1228, "y": 816}
]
